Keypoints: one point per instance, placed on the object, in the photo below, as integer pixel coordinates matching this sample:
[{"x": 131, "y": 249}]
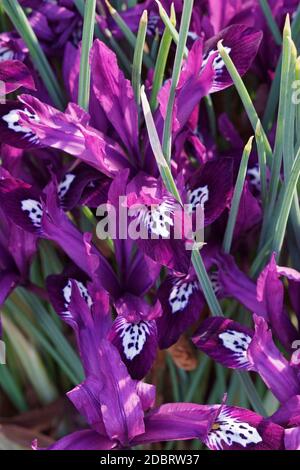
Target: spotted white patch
[
  {"x": 230, "y": 430},
  {"x": 12, "y": 120},
  {"x": 254, "y": 175},
  {"x": 180, "y": 295},
  {"x": 218, "y": 63},
  {"x": 6, "y": 54},
  {"x": 65, "y": 184},
  {"x": 198, "y": 196},
  {"x": 157, "y": 218},
  {"x": 134, "y": 336},
  {"x": 238, "y": 343},
  {"x": 67, "y": 292},
  {"x": 34, "y": 210}
]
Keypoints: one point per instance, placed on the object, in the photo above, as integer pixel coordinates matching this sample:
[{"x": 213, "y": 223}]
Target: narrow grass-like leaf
[
  {"x": 23, "y": 322},
  {"x": 287, "y": 197},
  {"x": 11, "y": 388},
  {"x": 53, "y": 332},
  {"x": 171, "y": 27},
  {"x": 86, "y": 44},
  {"x": 161, "y": 61},
  {"x": 31, "y": 362},
  {"x": 129, "y": 35},
  {"x": 245, "y": 97},
  {"x": 262, "y": 160},
  {"x": 183, "y": 34},
  {"x": 273, "y": 97},
  {"x": 283, "y": 114},
  {"x": 237, "y": 197},
  {"x": 155, "y": 45},
  {"x": 138, "y": 57},
  {"x": 22, "y": 25},
  {"x": 196, "y": 380},
  {"x": 271, "y": 21}
]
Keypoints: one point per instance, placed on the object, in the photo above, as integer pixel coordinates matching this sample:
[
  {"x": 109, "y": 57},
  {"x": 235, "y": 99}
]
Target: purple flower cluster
[{"x": 126, "y": 300}]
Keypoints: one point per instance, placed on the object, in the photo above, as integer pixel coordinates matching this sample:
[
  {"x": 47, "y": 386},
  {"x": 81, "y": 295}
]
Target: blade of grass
[
  {"x": 25, "y": 324},
  {"x": 86, "y": 44},
  {"x": 31, "y": 362},
  {"x": 171, "y": 27},
  {"x": 287, "y": 197},
  {"x": 155, "y": 46},
  {"x": 262, "y": 160},
  {"x": 237, "y": 197},
  {"x": 138, "y": 57},
  {"x": 161, "y": 61},
  {"x": 10, "y": 387},
  {"x": 183, "y": 34},
  {"x": 22, "y": 25},
  {"x": 283, "y": 113},
  {"x": 273, "y": 97},
  {"x": 271, "y": 21},
  {"x": 52, "y": 331}
]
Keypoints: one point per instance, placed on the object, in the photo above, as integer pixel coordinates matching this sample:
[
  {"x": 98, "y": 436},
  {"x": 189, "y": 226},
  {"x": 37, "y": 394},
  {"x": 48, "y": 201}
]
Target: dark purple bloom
[{"x": 226, "y": 341}]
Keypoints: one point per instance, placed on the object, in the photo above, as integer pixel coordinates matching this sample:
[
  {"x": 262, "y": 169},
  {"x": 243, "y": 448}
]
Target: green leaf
[
  {"x": 87, "y": 41},
  {"x": 138, "y": 57},
  {"x": 183, "y": 34},
  {"x": 271, "y": 21},
  {"x": 161, "y": 61},
  {"x": 31, "y": 362},
  {"x": 237, "y": 197}
]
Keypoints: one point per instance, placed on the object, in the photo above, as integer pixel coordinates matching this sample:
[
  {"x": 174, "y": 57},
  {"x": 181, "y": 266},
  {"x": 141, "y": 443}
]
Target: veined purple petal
[
  {"x": 112, "y": 389},
  {"x": 178, "y": 421},
  {"x": 14, "y": 74},
  {"x": 270, "y": 292},
  {"x": 241, "y": 43},
  {"x": 292, "y": 439},
  {"x": 273, "y": 368},
  {"x": 226, "y": 341},
  {"x": 115, "y": 95},
  {"x": 288, "y": 415}
]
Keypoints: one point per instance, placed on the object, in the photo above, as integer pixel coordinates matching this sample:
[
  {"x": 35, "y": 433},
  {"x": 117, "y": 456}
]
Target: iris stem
[
  {"x": 271, "y": 21},
  {"x": 171, "y": 27},
  {"x": 138, "y": 57},
  {"x": 22, "y": 25},
  {"x": 183, "y": 33},
  {"x": 237, "y": 197},
  {"x": 87, "y": 41},
  {"x": 161, "y": 61}
]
